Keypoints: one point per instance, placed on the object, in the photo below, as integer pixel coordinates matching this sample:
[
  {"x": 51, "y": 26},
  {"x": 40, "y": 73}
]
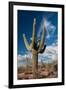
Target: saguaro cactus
[{"x": 36, "y": 47}]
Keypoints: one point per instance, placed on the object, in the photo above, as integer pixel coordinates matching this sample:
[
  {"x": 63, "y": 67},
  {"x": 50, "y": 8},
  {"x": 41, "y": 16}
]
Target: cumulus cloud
[
  {"x": 22, "y": 59},
  {"x": 50, "y": 54}
]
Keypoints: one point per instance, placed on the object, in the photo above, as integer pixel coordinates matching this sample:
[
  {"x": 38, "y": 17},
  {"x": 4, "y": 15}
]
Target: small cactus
[
  {"x": 27, "y": 65},
  {"x": 36, "y": 47}
]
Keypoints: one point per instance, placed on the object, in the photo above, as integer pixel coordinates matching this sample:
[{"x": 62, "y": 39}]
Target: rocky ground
[{"x": 44, "y": 71}]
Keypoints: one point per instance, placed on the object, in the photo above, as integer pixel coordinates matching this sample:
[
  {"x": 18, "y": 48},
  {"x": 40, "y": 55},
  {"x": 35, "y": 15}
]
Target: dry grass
[{"x": 44, "y": 71}]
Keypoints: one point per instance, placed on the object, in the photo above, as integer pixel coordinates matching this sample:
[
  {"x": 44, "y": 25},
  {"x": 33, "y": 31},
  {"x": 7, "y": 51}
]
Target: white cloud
[
  {"x": 23, "y": 57},
  {"x": 50, "y": 54},
  {"x": 55, "y": 43},
  {"x": 19, "y": 57},
  {"x": 50, "y": 28}
]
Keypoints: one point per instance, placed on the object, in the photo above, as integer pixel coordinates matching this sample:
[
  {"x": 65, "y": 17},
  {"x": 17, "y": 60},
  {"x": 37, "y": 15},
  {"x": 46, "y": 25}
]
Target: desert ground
[{"x": 45, "y": 70}]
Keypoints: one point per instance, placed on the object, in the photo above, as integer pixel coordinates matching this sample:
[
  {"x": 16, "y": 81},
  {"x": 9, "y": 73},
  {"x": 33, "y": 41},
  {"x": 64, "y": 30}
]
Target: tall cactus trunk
[
  {"x": 36, "y": 47},
  {"x": 35, "y": 64}
]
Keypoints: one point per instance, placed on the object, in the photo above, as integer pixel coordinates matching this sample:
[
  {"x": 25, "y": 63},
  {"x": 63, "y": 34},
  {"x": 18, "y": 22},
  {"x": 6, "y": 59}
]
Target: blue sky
[{"x": 25, "y": 25}]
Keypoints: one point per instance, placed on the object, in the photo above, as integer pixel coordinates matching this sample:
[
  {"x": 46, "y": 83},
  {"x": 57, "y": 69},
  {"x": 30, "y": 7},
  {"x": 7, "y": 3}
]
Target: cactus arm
[
  {"x": 34, "y": 33},
  {"x": 43, "y": 49},
  {"x": 43, "y": 36},
  {"x": 26, "y": 43}
]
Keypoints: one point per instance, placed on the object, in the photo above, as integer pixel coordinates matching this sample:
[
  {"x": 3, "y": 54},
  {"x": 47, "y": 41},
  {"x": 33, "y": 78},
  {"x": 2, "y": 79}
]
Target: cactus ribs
[{"x": 36, "y": 47}]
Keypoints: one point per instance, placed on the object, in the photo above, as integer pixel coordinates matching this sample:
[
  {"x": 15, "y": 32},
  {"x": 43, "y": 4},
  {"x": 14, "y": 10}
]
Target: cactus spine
[{"x": 36, "y": 47}]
